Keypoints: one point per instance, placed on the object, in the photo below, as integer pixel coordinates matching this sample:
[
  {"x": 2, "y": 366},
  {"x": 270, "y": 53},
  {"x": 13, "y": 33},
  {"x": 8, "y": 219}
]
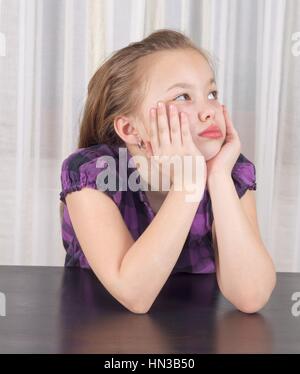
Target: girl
[{"x": 133, "y": 239}]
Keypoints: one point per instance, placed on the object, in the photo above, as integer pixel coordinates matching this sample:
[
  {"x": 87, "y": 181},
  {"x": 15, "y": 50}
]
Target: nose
[{"x": 207, "y": 114}]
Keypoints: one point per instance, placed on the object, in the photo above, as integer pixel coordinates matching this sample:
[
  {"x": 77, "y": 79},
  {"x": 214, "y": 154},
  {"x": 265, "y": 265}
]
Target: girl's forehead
[
  {"x": 171, "y": 68},
  {"x": 162, "y": 82}
]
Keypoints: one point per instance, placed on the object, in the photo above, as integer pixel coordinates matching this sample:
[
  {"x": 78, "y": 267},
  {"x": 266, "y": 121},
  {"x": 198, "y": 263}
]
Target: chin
[
  {"x": 210, "y": 150},
  {"x": 210, "y": 154}
]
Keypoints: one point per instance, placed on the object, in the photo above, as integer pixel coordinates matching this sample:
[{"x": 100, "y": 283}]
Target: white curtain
[{"x": 52, "y": 47}]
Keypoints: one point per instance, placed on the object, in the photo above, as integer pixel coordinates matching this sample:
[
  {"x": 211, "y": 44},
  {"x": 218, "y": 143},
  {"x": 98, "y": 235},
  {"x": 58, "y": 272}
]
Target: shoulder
[
  {"x": 82, "y": 167},
  {"x": 244, "y": 175},
  {"x": 82, "y": 157}
]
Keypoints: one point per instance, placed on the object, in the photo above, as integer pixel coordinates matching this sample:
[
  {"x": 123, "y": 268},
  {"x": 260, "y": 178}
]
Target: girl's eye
[
  {"x": 214, "y": 93},
  {"x": 184, "y": 94}
]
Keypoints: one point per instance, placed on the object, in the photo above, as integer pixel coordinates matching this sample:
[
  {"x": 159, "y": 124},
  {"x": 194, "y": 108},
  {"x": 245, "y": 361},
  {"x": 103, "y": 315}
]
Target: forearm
[
  {"x": 148, "y": 263},
  {"x": 246, "y": 273}
]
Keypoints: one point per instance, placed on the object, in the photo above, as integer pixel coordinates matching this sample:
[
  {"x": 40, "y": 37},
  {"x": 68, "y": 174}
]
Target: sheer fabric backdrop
[{"x": 52, "y": 48}]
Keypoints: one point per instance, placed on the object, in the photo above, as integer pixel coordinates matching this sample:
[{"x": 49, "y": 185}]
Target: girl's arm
[
  {"x": 133, "y": 272},
  {"x": 245, "y": 271},
  {"x": 148, "y": 263}
]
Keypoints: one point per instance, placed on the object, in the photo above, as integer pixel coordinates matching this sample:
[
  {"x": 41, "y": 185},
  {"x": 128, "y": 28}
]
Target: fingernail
[{"x": 160, "y": 104}]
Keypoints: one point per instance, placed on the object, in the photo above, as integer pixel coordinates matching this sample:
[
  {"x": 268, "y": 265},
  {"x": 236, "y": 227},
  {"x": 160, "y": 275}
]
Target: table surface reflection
[{"x": 67, "y": 310}]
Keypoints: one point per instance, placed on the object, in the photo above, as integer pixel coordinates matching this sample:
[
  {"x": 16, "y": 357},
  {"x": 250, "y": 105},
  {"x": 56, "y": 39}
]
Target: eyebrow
[{"x": 187, "y": 85}]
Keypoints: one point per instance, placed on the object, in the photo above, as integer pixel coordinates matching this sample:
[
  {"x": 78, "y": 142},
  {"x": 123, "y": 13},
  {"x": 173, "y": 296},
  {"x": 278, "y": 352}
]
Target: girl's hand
[
  {"x": 224, "y": 161},
  {"x": 169, "y": 138}
]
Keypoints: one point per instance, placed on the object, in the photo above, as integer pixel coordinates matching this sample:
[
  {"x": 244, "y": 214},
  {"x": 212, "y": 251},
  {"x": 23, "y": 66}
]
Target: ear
[{"x": 126, "y": 131}]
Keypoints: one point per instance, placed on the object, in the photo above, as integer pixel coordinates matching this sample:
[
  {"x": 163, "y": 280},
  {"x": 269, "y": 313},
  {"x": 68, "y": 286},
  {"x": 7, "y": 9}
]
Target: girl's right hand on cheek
[{"x": 171, "y": 137}]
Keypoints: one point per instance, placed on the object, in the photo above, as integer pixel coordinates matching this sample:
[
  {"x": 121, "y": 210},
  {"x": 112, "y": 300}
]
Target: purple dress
[{"x": 80, "y": 169}]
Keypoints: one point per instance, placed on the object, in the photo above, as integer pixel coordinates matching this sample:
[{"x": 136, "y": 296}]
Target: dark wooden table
[{"x": 63, "y": 310}]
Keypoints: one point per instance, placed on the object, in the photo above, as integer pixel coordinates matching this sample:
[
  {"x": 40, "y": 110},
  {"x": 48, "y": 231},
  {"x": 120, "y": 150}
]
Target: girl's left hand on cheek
[{"x": 225, "y": 159}]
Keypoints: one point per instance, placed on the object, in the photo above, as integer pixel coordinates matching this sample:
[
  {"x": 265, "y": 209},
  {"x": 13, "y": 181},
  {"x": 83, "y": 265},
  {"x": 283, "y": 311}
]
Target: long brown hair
[{"x": 119, "y": 85}]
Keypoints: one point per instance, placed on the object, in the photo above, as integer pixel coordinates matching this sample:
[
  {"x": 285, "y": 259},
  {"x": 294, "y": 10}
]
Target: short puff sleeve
[
  {"x": 244, "y": 175},
  {"x": 81, "y": 169}
]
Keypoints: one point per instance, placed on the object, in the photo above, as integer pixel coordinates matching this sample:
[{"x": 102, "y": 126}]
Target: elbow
[
  {"x": 133, "y": 307},
  {"x": 134, "y": 302},
  {"x": 253, "y": 302},
  {"x": 137, "y": 305},
  {"x": 250, "y": 306},
  {"x": 138, "y": 308}
]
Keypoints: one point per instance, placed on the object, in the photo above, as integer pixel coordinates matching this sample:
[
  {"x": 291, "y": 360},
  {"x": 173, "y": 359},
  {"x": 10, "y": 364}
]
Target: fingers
[
  {"x": 175, "y": 127},
  {"x": 145, "y": 133},
  {"x": 163, "y": 126},
  {"x": 227, "y": 118},
  {"x": 230, "y": 129},
  {"x": 165, "y": 132},
  {"x": 153, "y": 132}
]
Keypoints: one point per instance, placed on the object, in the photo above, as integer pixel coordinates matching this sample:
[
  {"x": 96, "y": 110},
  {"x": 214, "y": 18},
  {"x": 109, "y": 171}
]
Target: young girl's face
[{"x": 198, "y": 98}]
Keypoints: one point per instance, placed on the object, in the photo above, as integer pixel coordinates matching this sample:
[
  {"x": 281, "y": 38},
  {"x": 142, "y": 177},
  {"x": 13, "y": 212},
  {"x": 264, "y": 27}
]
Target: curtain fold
[{"x": 49, "y": 50}]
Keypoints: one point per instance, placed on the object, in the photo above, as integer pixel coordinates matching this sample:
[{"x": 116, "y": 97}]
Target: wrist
[
  {"x": 217, "y": 176},
  {"x": 191, "y": 194}
]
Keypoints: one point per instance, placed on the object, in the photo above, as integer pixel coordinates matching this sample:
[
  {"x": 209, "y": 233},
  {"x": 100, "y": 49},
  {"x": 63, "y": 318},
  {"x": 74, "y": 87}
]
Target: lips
[{"x": 212, "y": 129}]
